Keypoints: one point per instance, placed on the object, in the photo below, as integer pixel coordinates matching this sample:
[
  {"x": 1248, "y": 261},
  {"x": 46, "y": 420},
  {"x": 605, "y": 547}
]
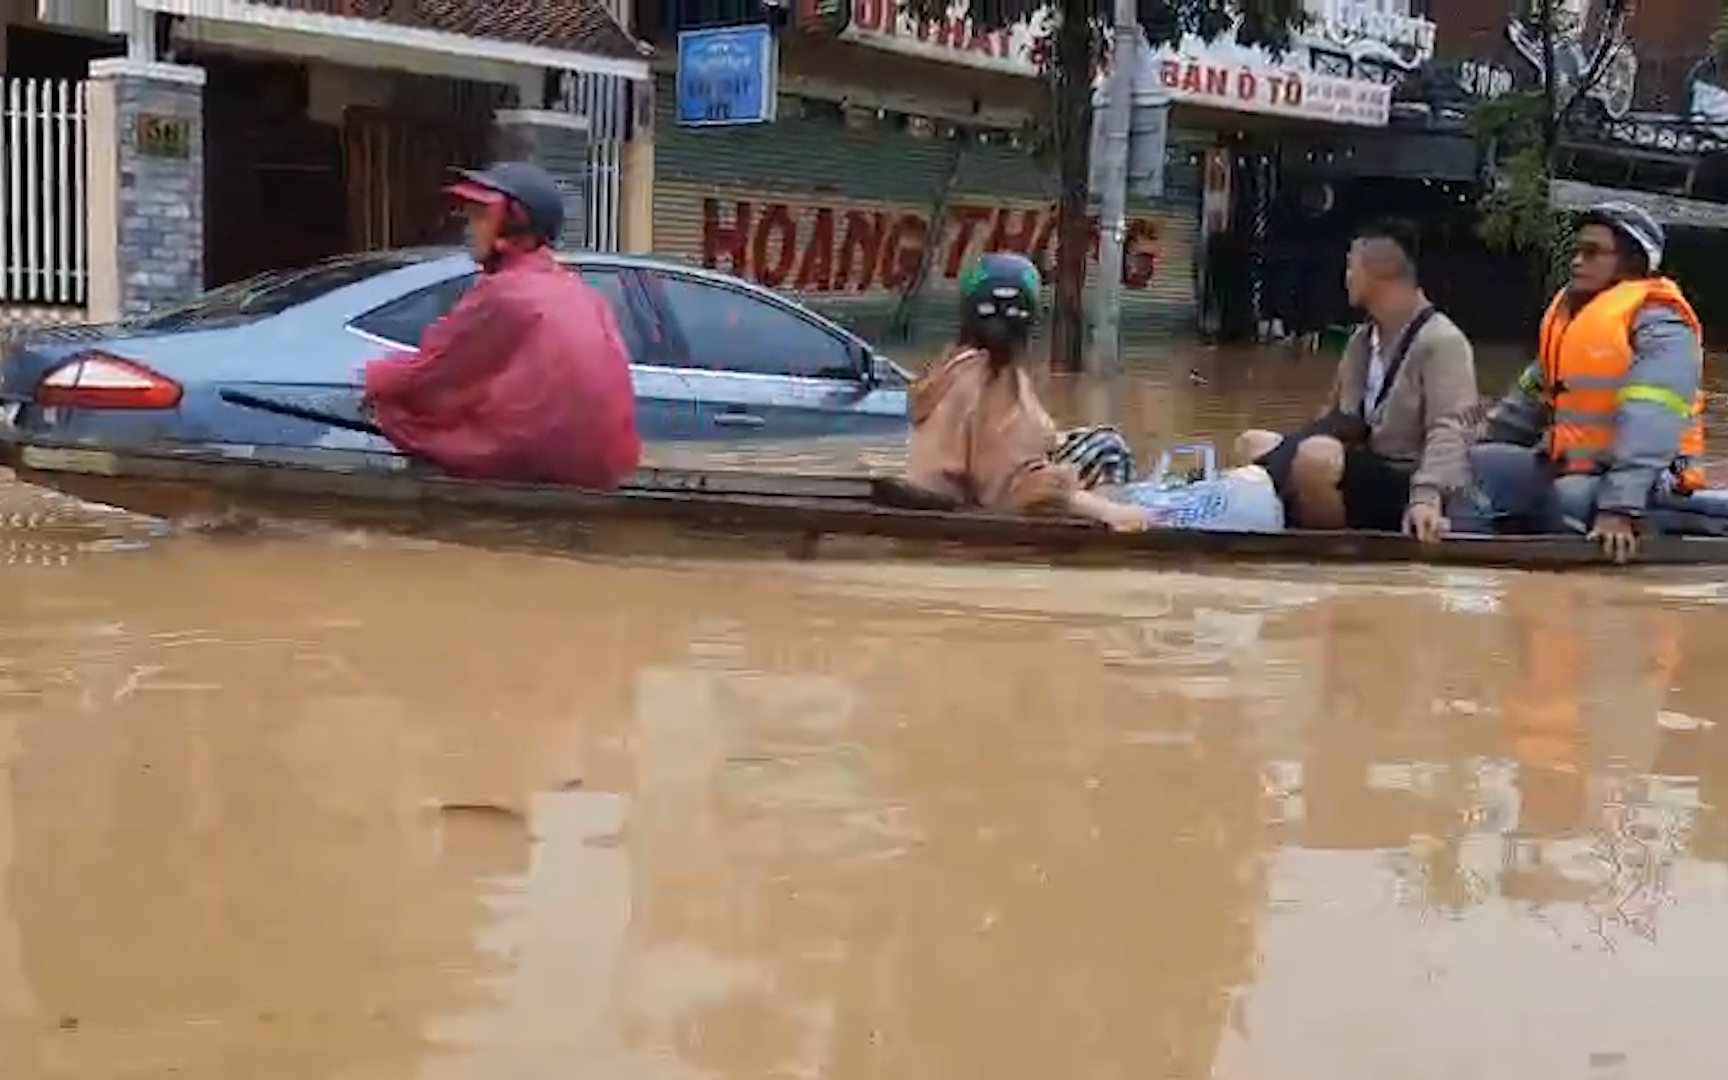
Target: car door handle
[{"x": 738, "y": 419}]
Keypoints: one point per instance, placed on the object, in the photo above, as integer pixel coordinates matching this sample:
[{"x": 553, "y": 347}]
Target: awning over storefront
[
  {"x": 573, "y": 35},
  {"x": 1668, "y": 209},
  {"x": 1440, "y": 156}
]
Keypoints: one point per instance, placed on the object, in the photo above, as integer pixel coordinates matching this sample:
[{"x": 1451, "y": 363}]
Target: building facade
[
  {"x": 1653, "y": 130},
  {"x": 899, "y": 149},
  {"x": 1654, "y": 112},
  {"x": 159, "y": 147},
  {"x": 1669, "y": 42},
  {"x": 274, "y": 132}
]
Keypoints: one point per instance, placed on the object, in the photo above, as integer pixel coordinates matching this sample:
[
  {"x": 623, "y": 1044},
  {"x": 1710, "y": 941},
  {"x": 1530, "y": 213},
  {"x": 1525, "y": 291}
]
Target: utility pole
[
  {"x": 1550, "y": 84},
  {"x": 1112, "y": 172}
]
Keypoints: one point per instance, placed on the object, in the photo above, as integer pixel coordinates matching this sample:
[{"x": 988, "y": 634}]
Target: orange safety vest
[{"x": 1585, "y": 359}]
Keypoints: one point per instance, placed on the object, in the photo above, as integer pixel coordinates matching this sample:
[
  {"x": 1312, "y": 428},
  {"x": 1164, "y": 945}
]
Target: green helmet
[{"x": 1000, "y": 287}]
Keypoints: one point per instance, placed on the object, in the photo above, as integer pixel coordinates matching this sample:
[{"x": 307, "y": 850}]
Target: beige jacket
[
  {"x": 984, "y": 439},
  {"x": 1417, "y": 421}
]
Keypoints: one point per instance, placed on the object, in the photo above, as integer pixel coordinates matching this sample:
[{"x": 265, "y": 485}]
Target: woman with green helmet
[{"x": 980, "y": 436}]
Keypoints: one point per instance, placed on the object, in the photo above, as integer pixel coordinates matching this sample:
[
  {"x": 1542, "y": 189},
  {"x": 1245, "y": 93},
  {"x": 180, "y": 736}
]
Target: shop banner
[
  {"x": 885, "y": 25},
  {"x": 1212, "y": 78},
  {"x": 1220, "y": 74}
]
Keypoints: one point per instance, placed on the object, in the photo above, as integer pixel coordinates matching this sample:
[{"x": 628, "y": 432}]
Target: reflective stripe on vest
[{"x": 1585, "y": 358}]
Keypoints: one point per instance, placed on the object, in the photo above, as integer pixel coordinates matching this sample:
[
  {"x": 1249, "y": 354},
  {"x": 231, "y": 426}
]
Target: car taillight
[{"x": 96, "y": 380}]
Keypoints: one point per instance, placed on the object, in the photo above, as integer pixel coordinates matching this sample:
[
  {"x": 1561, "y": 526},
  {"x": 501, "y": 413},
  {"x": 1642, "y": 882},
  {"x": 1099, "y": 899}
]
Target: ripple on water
[
  {"x": 42, "y": 529},
  {"x": 1704, "y": 593},
  {"x": 304, "y": 807}
]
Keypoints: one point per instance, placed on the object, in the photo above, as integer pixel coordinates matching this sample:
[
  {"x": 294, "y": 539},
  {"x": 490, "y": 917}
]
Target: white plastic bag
[{"x": 1240, "y": 500}]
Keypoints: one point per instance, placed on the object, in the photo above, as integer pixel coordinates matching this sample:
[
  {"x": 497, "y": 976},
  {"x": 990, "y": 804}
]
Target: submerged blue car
[{"x": 713, "y": 357}]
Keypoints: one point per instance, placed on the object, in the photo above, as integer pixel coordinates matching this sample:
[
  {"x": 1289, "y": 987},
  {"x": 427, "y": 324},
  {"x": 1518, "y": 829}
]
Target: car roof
[
  {"x": 400, "y": 271},
  {"x": 429, "y": 265},
  {"x": 435, "y": 253}
]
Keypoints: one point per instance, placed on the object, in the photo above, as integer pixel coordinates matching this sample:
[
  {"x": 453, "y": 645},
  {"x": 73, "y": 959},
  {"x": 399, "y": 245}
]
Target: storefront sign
[
  {"x": 1348, "y": 21},
  {"x": 884, "y": 24},
  {"x": 1204, "y": 77},
  {"x": 1221, "y": 75},
  {"x": 727, "y": 76},
  {"x": 859, "y": 249}
]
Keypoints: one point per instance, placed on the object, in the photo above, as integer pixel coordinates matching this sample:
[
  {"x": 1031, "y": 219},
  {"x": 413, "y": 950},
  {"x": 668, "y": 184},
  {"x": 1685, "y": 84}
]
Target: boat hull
[{"x": 671, "y": 512}]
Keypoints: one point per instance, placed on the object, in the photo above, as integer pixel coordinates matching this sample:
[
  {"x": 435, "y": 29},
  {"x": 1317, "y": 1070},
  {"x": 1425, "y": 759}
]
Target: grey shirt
[{"x": 1418, "y": 421}]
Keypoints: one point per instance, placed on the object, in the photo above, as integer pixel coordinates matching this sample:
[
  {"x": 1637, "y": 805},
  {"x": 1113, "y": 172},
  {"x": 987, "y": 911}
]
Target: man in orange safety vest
[{"x": 1612, "y": 405}]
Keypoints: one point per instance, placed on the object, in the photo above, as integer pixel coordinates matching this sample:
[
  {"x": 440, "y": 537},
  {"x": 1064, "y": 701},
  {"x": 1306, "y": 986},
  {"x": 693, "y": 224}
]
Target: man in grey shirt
[{"x": 1389, "y": 453}]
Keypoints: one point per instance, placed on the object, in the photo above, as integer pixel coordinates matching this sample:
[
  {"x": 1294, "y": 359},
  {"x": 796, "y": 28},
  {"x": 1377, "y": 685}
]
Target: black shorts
[{"x": 1376, "y": 491}]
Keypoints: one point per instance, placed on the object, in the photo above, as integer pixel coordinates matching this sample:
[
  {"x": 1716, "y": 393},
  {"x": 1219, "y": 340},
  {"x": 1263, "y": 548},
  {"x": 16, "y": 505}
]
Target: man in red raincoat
[{"x": 527, "y": 378}]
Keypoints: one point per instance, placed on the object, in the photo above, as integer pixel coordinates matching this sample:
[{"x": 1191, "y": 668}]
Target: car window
[
  {"x": 730, "y": 330},
  {"x": 405, "y": 318},
  {"x": 274, "y": 292},
  {"x": 609, "y": 280}
]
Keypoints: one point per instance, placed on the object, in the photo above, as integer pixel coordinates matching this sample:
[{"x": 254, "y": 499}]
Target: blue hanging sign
[{"x": 727, "y": 76}]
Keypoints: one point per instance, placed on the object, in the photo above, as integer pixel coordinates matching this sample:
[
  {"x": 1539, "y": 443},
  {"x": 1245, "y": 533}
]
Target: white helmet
[{"x": 1633, "y": 223}]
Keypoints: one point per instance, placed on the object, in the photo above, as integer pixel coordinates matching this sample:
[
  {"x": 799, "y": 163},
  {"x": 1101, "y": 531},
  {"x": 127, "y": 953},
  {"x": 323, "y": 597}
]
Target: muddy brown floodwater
[{"x": 337, "y": 806}]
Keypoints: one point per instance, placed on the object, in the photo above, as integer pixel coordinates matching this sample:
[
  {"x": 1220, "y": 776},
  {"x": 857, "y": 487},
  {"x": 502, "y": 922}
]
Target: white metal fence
[
  {"x": 605, "y": 101},
  {"x": 43, "y": 257}
]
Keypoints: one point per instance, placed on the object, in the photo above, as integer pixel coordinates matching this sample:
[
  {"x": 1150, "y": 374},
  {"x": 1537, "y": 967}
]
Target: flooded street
[{"x": 347, "y": 807}]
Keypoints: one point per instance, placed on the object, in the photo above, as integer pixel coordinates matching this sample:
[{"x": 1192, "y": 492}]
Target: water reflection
[
  {"x": 1483, "y": 865},
  {"x": 354, "y": 808},
  {"x": 289, "y": 810}
]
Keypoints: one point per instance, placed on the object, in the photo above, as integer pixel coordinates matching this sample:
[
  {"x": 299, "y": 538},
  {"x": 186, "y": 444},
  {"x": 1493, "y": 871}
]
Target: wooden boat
[{"x": 715, "y": 513}]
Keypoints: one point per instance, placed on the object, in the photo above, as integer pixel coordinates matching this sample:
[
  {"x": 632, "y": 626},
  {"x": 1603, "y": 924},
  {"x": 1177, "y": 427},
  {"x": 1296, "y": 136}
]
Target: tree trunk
[{"x": 1072, "y": 119}]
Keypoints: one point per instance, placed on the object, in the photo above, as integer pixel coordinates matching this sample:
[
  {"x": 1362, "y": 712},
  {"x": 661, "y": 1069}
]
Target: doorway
[
  {"x": 397, "y": 168},
  {"x": 273, "y": 178}
]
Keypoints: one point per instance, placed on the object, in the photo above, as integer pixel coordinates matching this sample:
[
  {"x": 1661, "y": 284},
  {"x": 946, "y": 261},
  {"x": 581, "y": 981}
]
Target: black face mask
[{"x": 994, "y": 333}]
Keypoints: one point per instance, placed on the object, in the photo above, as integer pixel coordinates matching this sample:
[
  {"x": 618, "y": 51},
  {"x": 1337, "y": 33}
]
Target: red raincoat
[{"x": 526, "y": 379}]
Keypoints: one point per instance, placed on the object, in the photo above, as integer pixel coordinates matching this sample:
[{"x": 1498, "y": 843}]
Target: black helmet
[
  {"x": 999, "y": 298},
  {"x": 527, "y": 185}
]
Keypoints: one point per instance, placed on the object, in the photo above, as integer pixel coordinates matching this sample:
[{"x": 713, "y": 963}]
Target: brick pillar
[
  {"x": 145, "y": 159},
  {"x": 558, "y": 143}
]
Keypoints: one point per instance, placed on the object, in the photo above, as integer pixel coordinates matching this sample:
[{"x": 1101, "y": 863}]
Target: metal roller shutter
[{"x": 837, "y": 217}]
